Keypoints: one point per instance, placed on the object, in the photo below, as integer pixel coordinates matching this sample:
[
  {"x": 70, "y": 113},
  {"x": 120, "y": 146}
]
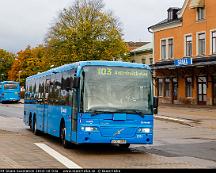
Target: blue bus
[
  {"x": 9, "y": 91},
  {"x": 97, "y": 102}
]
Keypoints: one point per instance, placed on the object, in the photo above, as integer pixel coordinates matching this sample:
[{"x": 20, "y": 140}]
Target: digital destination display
[{"x": 119, "y": 71}]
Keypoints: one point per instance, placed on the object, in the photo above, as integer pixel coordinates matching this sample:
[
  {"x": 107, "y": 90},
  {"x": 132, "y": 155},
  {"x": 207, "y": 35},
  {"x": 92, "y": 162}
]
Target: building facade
[
  {"x": 143, "y": 54},
  {"x": 185, "y": 54}
]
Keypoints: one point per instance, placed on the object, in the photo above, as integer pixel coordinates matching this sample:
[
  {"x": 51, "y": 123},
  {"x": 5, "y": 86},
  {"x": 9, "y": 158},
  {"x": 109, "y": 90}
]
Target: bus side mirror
[
  {"x": 76, "y": 82},
  {"x": 155, "y": 105}
]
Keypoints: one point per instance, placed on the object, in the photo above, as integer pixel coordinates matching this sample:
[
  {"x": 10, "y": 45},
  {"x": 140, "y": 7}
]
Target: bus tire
[
  {"x": 64, "y": 142},
  {"x": 30, "y": 121},
  {"x": 124, "y": 146},
  {"x": 35, "y": 131}
]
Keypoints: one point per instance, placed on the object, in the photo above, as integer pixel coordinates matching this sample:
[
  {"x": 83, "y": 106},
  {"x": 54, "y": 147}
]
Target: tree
[
  {"x": 6, "y": 60},
  {"x": 27, "y": 63},
  {"x": 84, "y": 32}
]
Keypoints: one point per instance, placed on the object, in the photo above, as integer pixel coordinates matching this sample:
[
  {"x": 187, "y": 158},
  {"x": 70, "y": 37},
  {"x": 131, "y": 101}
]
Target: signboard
[{"x": 183, "y": 62}]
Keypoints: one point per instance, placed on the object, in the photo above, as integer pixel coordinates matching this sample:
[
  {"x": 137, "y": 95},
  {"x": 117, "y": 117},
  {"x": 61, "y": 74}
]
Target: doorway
[
  {"x": 202, "y": 90},
  {"x": 174, "y": 90},
  {"x": 214, "y": 90}
]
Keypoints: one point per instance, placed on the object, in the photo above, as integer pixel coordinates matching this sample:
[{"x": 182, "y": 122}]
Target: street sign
[{"x": 183, "y": 62}]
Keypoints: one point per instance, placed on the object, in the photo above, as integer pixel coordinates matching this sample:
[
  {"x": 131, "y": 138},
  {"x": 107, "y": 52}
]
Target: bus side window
[{"x": 47, "y": 88}]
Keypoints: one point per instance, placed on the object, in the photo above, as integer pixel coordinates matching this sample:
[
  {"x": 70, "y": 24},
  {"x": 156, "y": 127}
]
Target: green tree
[
  {"x": 82, "y": 32},
  {"x": 6, "y": 60}
]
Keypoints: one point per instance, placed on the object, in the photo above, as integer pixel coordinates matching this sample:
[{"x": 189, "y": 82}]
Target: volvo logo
[{"x": 118, "y": 132}]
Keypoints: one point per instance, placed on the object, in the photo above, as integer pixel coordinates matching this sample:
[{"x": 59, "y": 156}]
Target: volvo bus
[
  {"x": 97, "y": 102},
  {"x": 9, "y": 91}
]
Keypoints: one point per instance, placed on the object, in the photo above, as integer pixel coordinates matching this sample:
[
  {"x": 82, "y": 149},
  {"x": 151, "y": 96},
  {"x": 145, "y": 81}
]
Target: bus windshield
[
  {"x": 117, "y": 89},
  {"x": 10, "y": 86}
]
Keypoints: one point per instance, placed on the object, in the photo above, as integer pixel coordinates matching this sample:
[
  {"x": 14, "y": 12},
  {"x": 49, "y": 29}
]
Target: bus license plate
[{"x": 118, "y": 141}]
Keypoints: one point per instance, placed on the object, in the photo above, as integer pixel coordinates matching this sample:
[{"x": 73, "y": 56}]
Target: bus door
[
  {"x": 46, "y": 104},
  {"x": 74, "y": 114}
]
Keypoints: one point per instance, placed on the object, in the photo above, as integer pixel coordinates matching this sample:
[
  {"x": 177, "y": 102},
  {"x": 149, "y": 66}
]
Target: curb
[{"x": 181, "y": 121}]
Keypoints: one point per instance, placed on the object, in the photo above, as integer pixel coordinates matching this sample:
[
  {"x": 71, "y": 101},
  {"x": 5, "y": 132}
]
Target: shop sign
[{"x": 183, "y": 62}]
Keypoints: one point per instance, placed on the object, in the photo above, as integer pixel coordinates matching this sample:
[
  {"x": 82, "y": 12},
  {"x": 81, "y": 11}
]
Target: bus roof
[
  {"x": 5, "y": 82},
  {"x": 81, "y": 64}
]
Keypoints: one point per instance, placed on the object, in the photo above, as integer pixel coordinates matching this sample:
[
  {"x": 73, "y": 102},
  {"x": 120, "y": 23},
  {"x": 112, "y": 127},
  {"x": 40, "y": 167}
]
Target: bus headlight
[
  {"x": 89, "y": 129},
  {"x": 144, "y": 130}
]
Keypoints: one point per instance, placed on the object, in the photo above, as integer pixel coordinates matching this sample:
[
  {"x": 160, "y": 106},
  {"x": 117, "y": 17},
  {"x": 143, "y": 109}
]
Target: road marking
[{"x": 62, "y": 159}]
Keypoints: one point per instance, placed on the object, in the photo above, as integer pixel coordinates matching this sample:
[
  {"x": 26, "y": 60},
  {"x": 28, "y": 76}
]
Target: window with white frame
[
  {"x": 214, "y": 42},
  {"x": 170, "y": 48},
  {"x": 188, "y": 45},
  {"x": 200, "y": 13},
  {"x": 201, "y": 43},
  {"x": 144, "y": 60},
  {"x": 163, "y": 49},
  {"x": 151, "y": 61}
]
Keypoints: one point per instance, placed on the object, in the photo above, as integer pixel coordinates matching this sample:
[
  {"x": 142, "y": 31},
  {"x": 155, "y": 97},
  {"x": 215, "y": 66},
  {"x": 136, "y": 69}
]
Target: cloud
[{"x": 26, "y": 22}]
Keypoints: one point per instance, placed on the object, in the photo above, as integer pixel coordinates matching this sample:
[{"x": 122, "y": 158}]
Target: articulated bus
[
  {"x": 97, "y": 102},
  {"x": 9, "y": 91}
]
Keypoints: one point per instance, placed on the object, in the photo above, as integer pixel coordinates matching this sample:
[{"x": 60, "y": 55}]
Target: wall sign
[{"x": 183, "y": 62}]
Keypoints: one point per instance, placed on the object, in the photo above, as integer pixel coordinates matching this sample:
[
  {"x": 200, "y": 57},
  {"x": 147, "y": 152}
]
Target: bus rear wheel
[
  {"x": 35, "y": 131},
  {"x": 64, "y": 142}
]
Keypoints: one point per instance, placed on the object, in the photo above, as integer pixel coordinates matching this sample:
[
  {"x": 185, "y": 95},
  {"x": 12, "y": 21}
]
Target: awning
[
  {"x": 173, "y": 67},
  {"x": 197, "y": 3}
]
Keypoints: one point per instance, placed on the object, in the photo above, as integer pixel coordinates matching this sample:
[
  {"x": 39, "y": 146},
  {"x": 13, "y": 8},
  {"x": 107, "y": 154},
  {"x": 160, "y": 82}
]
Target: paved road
[
  {"x": 175, "y": 146},
  {"x": 11, "y": 110}
]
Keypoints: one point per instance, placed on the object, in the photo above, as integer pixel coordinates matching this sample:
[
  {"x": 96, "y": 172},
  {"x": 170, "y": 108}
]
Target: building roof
[
  {"x": 133, "y": 45},
  {"x": 144, "y": 48},
  {"x": 166, "y": 21}
]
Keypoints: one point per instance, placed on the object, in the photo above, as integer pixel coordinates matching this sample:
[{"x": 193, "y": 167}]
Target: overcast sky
[{"x": 26, "y": 22}]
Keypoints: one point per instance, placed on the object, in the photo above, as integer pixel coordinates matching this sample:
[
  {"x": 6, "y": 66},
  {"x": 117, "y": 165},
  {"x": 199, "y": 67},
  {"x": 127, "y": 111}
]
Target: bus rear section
[
  {"x": 10, "y": 92},
  {"x": 93, "y": 102}
]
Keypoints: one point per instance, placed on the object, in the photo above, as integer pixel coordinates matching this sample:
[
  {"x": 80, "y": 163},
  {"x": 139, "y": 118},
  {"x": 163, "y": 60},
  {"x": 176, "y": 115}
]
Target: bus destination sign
[{"x": 123, "y": 72}]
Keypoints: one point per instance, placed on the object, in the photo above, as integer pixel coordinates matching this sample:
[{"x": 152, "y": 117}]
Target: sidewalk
[
  {"x": 21, "y": 101},
  {"x": 186, "y": 114}
]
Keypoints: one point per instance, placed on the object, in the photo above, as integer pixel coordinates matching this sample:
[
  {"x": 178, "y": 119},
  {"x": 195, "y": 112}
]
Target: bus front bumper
[{"x": 95, "y": 137}]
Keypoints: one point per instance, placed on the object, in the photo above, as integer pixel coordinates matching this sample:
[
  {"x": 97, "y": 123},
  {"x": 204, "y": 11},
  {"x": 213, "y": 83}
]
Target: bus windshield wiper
[
  {"x": 131, "y": 111},
  {"x": 128, "y": 111},
  {"x": 96, "y": 112}
]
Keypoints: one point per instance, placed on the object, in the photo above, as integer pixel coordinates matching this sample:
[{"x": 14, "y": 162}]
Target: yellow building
[
  {"x": 185, "y": 54},
  {"x": 143, "y": 54}
]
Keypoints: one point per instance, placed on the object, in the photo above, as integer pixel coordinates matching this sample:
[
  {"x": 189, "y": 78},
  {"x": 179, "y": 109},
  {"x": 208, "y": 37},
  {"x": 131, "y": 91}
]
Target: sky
[{"x": 26, "y": 22}]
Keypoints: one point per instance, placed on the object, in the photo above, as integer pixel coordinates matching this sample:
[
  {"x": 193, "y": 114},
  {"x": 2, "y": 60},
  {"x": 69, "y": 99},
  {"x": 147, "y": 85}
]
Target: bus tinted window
[{"x": 10, "y": 86}]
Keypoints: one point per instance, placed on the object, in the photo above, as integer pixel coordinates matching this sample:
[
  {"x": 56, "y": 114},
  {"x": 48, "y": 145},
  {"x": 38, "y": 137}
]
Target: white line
[{"x": 62, "y": 159}]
